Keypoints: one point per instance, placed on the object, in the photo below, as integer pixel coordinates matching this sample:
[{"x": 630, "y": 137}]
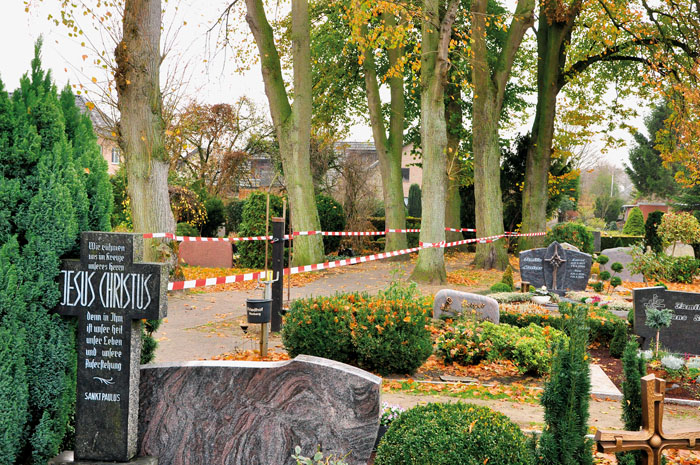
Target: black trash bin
[{"x": 258, "y": 310}]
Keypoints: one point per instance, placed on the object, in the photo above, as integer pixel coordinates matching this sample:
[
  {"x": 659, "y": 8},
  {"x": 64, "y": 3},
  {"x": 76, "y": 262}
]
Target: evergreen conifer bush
[
  {"x": 565, "y": 399},
  {"x": 573, "y": 233},
  {"x": 54, "y": 184},
  {"x": 252, "y": 253},
  {"x": 414, "y": 201},
  {"x": 451, "y": 434},
  {"x": 619, "y": 341},
  {"x": 332, "y": 217},
  {"x": 634, "y": 368},
  {"x": 651, "y": 236},
  {"x": 634, "y": 226}
]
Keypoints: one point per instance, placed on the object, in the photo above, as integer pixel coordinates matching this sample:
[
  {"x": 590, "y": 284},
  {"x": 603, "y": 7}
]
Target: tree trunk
[
  {"x": 389, "y": 149},
  {"x": 552, "y": 40},
  {"x": 141, "y": 127},
  {"x": 431, "y": 261},
  {"x": 489, "y": 89},
  {"x": 292, "y": 122},
  {"x": 453, "y": 203}
]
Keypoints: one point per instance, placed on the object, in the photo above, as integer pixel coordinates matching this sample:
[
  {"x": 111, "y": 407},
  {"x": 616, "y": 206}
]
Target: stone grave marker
[
  {"x": 621, "y": 255},
  {"x": 255, "y": 413},
  {"x": 596, "y": 241},
  {"x": 683, "y": 334},
  {"x": 110, "y": 294},
  {"x": 452, "y": 302},
  {"x": 532, "y": 267},
  {"x": 556, "y": 268}
]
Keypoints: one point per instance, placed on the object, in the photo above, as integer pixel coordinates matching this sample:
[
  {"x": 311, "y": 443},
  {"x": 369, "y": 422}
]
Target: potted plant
[{"x": 541, "y": 296}]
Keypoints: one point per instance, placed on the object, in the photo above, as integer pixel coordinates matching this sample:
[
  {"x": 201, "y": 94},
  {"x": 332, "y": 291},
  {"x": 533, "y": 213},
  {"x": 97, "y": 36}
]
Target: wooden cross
[{"x": 651, "y": 439}]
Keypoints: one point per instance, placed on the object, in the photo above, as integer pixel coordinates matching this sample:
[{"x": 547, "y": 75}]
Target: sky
[{"x": 212, "y": 81}]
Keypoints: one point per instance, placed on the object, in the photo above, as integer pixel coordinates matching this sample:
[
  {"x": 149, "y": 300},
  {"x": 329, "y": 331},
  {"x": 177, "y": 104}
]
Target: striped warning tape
[
  {"x": 203, "y": 239},
  {"x": 178, "y": 285}
]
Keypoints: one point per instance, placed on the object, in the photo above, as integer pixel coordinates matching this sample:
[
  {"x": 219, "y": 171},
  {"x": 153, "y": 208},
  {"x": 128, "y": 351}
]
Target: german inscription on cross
[
  {"x": 110, "y": 294},
  {"x": 651, "y": 439}
]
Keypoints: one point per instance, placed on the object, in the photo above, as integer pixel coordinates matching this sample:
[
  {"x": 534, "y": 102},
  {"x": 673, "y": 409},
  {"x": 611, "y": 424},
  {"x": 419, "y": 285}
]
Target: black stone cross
[{"x": 110, "y": 295}]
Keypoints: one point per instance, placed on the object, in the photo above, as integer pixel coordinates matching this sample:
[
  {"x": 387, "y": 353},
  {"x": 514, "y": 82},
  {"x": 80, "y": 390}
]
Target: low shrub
[
  {"x": 321, "y": 326},
  {"x": 186, "y": 229},
  {"x": 450, "y": 434},
  {"x": 385, "y": 333},
  {"x": 510, "y": 297},
  {"x": 234, "y": 215},
  {"x": 634, "y": 226},
  {"x": 508, "y": 277},
  {"x": 216, "y": 216},
  {"x": 529, "y": 348},
  {"x": 619, "y": 340},
  {"x": 501, "y": 287},
  {"x": 389, "y": 334},
  {"x": 683, "y": 269},
  {"x": 601, "y": 321},
  {"x": 573, "y": 233}
]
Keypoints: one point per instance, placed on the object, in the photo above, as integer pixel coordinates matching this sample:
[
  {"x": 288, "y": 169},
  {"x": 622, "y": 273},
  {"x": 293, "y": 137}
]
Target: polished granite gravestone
[
  {"x": 451, "y": 303},
  {"x": 255, "y": 413},
  {"x": 621, "y": 255},
  {"x": 109, "y": 293},
  {"x": 556, "y": 268},
  {"x": 683, "y": 336}
]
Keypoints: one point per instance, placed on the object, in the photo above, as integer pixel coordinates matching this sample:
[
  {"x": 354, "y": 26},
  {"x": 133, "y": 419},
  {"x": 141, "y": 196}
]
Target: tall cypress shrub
[
  {"x": 53, "y": 186},
  {"x": 565, "y": 399},
  {"x": 651, "y": 236},
  {"x": 634, "y": 368},
  {"x": 414, "y": 201},
  {"x": 634, "y": 226},
  {"x": 252, "y": 253}
]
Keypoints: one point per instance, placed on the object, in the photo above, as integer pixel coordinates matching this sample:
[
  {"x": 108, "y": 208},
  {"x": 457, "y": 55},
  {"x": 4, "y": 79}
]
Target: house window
[
  {"x": 115, "y": 155},
  {"x": 405, "y": 173}
]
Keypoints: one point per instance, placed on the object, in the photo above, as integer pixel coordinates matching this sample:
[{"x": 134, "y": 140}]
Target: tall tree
[
  {"x": 489, "y": 90},
  {"x": 141, "y": 128},
  {"x": 292, "y": 121},
  {"x": 646, "y": 169},
  {"x": 436, "y": 33}
]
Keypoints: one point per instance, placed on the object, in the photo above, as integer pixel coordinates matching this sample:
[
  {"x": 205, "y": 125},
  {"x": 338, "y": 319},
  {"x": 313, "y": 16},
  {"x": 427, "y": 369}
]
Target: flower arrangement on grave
[{"x": 390, "y": 413}]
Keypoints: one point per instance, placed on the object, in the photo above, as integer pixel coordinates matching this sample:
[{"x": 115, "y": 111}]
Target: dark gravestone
[
  {"x": 109, "y": 294},
  {"x": 578, "y": 270},
  {"x": 532, "y": 267},
  {"x": 255, "y": 413},
  {"x": 572, "y": 268},
  {"x": 683, "y": 336},
  {"x": 596, "y": 241}
]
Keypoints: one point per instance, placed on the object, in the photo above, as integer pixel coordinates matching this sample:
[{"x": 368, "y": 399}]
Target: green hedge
[
  {"x": 573, "y": 233},
  {"x": 384, "y": 333},
  {"x": 453, "y": 434},
  {"x": 470, "y": 342},
  {"x": 332, "y": 217},
  {"x": 252, "y": 253},
  {"x": 611, "y": 242},
  {"x": 54, "y": 185}
]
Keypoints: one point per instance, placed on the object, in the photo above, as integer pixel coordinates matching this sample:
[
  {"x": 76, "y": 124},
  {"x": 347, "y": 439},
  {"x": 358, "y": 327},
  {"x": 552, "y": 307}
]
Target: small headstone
[
  {"x": 621, "y": 255},
  {"x": 453, "y": 303},
  {"x": 255, "y": 413},
  {"x": 681, "y": 250},
  {"x": 596, "y": 241},
  {"x": 682, "y": 335},
  {"x": 567, "y": 246},
  {"x": 110, "y": 294},
  {"x": 557, "y": 268},
  {"x": 532, "y": 267}
]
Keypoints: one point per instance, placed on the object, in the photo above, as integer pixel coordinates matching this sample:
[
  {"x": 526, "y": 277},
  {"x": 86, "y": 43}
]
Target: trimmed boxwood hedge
[
  {"x": 453, "y": 434},
  {"x": 611, "y": 242}
]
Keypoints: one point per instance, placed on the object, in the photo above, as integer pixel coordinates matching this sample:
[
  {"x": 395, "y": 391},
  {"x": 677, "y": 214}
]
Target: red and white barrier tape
[
  {"x": 177, "y": 285},
  {"x": 460, "y": 229},
  {"x": 203, "y": 239}
]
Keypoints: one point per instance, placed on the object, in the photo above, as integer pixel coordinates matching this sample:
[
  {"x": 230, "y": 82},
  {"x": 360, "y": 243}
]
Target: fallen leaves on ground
[
  {"x": 485, "y": 371},
  {"x": 695, "y": 287},
  {"x": 252, "y": 356},
  {"x": 515, "y": 392},
  {"x": 673, "y": 457},
  {"x": 197, "y": 272}
]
